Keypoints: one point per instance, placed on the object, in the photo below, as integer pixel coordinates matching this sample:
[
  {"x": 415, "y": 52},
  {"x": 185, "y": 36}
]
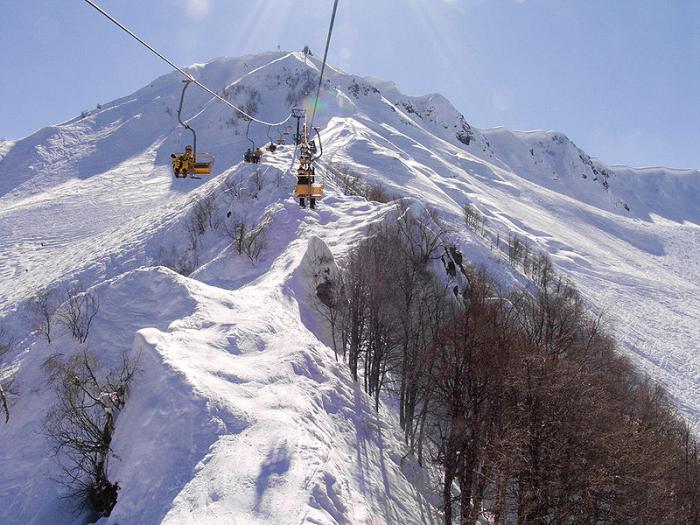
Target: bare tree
[
  {"x": 251, "y": 105},
  {"x": 255, "y": 242},
  {"x": 6, "y": 344},
  {"x": 349, "y": 182},
  {"x": 234, "y": 187},
  {"x": 237, "y": 231},
  {"x": 472, "y": 216},
  {"x": 515, "y": 249},
  {"x": 257, "y": 183},
  {"x": 377, "y": 193},
  {"x": 42, "y": 308},
  {"x": 329, "y": 294},
  {"x": 182, "y": 263},
  {"x": 78, "y": 311},
  {"x": 202, "y": 215},
  {"x": 248, "y": 238},
  {"x": 193, "y": 246},
  {"x": 81, "y": 424}
]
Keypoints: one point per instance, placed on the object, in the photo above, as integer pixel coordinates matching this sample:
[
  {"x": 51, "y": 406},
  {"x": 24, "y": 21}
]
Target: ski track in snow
[{"x": 240, "y": 413}]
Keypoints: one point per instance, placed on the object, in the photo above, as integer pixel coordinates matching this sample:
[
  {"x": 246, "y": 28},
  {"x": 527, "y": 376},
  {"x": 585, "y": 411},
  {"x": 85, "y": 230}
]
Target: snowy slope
[{"x": 240, "y": 413}]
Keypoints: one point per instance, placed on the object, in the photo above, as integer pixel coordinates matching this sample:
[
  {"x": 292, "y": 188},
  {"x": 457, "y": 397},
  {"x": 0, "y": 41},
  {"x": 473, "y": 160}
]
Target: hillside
[{"x": 240, "y": 412}]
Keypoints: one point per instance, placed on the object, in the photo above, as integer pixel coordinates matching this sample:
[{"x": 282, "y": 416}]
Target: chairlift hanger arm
[
  {"x": 185, "y": 124},
  {"x": 320, "y": 146},
  {"x": 247, "y": 129},
  {"x": 179, "y": 109}
]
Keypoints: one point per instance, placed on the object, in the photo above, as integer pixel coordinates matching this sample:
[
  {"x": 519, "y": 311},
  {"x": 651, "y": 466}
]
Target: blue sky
[{"x": 620, "y": 77}]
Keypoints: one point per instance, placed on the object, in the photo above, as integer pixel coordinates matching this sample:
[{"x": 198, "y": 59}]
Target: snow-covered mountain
[{"x": 240, "y": 413}]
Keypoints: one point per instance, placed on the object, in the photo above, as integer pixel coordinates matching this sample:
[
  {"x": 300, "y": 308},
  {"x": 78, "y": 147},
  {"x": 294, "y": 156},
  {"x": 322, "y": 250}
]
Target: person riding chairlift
[
  {"x": 182, "y": 164},
  {"x": 305, "y": 175},
  {"x": 253, "y": 156},
  {"x": 250, "y": 155}
]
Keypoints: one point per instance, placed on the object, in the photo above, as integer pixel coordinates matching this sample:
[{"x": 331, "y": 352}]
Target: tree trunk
[{"x": 447, "y": 493}]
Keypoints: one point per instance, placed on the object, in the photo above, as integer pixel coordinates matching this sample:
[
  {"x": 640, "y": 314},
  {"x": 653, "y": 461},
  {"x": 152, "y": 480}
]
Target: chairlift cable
[
  {"x": 182, "y": 71},
  {"x": 323, "y": 65}
]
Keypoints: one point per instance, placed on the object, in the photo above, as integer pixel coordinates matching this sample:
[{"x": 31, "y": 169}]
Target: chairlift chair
[
  {"x": 252, "y": 155},
  {"x": 271, "y": 147},
  {"x": 306, "y": 186},
  {"x": 203, "y": 162}
]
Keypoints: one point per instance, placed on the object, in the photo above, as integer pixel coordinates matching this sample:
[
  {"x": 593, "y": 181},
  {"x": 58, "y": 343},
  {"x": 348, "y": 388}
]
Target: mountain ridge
[{"x": 93, "y": 199}]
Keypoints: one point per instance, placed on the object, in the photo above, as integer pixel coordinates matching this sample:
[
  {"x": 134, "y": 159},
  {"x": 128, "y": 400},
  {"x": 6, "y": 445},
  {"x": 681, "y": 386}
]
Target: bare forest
[{"x": 520, "y": 398}]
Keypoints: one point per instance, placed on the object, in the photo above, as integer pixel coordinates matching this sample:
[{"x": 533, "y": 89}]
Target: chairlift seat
[
  {"x": 203, "y": 164},
  {"x": 202, "y": 168},
  {"x": 313, "y": 190}
]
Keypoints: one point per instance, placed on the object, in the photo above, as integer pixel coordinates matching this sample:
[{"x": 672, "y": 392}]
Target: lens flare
[{"x": 322, "y": 106}]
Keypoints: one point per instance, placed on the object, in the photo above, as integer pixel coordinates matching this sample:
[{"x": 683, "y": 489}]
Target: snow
[
  {"x": 5, "y": 146},
  {"x": 240, "y": 413}
]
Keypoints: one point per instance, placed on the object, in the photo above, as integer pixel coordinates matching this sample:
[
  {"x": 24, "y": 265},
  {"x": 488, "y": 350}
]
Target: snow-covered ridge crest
[{"x": 238, "y": 412}]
